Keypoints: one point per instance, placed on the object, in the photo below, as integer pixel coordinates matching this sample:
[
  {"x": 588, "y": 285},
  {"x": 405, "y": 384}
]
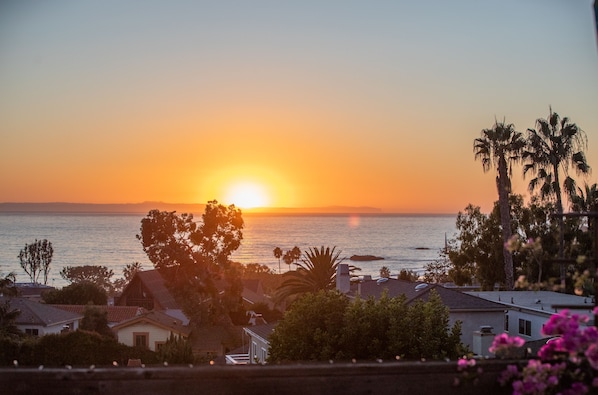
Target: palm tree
[
  {"x": 277, "y": 254},
  {"x": 295, "y": 255},
  {"x": 288, "y": 258},
  {"x": 315, "y": 272},
  {"x": 585, "y": 200},
  {"x": 501, "y": 147},
  {"x": 552, "y": 147}
]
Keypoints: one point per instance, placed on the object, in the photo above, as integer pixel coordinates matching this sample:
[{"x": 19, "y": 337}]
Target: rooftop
[
  {"x": 39, "y": 314},
  {"x": 546, "y": 302},
  {"x": 455, "y": 300}
]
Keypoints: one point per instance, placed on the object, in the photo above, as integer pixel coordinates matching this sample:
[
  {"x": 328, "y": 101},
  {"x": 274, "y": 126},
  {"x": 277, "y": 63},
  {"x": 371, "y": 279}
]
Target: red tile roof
[{"x": 115, "y": 313}]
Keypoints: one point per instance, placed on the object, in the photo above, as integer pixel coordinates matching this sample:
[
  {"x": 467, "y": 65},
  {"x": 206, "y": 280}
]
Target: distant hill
[
  {"x": 314, "y": 210},
  {"x": 91, "y": 208},
  {"x": 145, "y": 207}
]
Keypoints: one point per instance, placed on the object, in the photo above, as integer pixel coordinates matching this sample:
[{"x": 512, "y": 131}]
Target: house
[
  {"x": 32, "y": 291},
  {"x": 114, "y": 314},
  {"x": 148, "y": 289},
  {"x": 258, "y": 342},
  {"x": 150, "y": 329},
  {"x": 38, "y": 319},
  {"x": 528, "y": 311},
  {"x": 253, "y": 292},
  {"x": 475, "y": 313}
]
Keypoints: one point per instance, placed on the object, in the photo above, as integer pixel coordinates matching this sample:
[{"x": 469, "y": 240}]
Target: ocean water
[{"x": 404, "y": 241}]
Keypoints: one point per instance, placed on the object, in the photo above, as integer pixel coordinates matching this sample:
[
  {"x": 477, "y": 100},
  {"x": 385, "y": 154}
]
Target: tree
[
  {"x": 552, "y": 147},
  {"x": 584, "y": 200},
  {"x": 192, "y": 256},
  {"x": 407, "y": 275},
  {"x": 35, "y": 259},
  {"x": 96, "y": 320},
  {"x": 176, "y": 350},
  {"x": 310, "y": 330},
  {"x": 288, "y": 258},
  {"x": 292, "y": 256},
  {"x": 98, "y": 275},
  {"x": 295, "y": 254},
  {"x": 437, "y": 271},
  {"x": 316, "y": 272},
  {"x": 384, "y": 272},
  {"x": 278, "y": 254},
  {"x": 81, "y": 293},
  {"x": 501, "y": 147},
  {"x": 477, "y": 251},
  {"x": 326, "y": 325},
  {"x": 8, "y": 317},
  {"x": 129, "y": 272},
  {"x": 7, "y": 285}
]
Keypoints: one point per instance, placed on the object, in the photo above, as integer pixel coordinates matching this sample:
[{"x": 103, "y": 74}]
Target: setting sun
[{"x": 247, "y": 195}]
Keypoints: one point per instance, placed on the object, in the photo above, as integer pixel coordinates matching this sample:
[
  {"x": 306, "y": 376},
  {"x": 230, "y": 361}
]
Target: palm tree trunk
[
  {"x": 559, "y": 207},
  {"x": 505, "y": 221}
]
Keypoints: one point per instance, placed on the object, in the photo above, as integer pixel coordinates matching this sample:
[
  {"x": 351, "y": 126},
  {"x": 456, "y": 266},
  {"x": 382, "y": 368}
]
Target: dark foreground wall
[{"x": 328, "y": 379}]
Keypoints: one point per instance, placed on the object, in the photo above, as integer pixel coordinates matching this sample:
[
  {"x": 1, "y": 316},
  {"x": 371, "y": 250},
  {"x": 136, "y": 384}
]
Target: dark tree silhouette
[
  {"x": 35, "y": 259},
  {"x": 554, "y": 146},
  {"x": 278, "y": 254},
  {"x": 500, "y": 147},
  {"x": 193, "y": 256},
  {"x": 315, "y": 272}
]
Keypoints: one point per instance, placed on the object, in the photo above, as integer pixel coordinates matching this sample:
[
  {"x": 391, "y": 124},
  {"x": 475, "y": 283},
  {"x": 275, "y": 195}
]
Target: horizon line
[{"x": 121, "y": 208}]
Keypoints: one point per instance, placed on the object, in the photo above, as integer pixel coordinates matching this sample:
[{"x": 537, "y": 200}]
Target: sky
[{"x": 282, "y": 103}]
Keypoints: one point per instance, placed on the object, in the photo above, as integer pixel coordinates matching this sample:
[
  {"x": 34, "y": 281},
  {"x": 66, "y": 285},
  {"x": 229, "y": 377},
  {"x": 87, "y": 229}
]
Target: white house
[
  {"x": 150, "y": 330},
  {"x": 258, "y": 342},
  {"x": 528, "y": 311},
  {"x": 38, "y": 319}
]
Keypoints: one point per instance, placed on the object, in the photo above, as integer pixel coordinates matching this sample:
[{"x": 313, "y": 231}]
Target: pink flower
[
  {"x": 592, "y": 354},
  {"x": 504, "y": 343},
  {"x": 464, "y": 363}
]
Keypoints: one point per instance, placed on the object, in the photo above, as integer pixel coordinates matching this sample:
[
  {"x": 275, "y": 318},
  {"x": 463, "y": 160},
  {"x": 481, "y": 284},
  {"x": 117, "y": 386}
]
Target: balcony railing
[{"x": 335, "y": 378}]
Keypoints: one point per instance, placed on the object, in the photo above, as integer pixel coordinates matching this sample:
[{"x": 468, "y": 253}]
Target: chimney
[
  {"x": 343, "y": 279},
  {"x": 482, "y": 340}
]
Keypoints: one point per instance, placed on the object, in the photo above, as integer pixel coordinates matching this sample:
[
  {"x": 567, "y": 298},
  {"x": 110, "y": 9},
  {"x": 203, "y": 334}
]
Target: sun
[{"x": 247, "y": 195}]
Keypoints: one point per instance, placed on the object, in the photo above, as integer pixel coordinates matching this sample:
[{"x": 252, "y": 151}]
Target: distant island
[
  {"x": 145, "y": 207},
  {"x": 365, "y": 258}
]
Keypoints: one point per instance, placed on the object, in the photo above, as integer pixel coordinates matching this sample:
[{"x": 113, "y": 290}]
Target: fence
[{"x": 326, "y": 379}]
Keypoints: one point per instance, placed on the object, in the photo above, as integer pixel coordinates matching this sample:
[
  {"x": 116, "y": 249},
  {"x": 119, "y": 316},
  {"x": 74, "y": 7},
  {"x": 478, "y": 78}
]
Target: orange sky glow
[{"x": 305, "y": 104}]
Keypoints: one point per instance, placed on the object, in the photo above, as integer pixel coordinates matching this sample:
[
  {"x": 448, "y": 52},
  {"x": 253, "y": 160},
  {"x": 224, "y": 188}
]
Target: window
[
  {"x": 140, "y": 339},
  {"x": 159, "y": 345},
  {"x": 506, "y": 323},
  {"x": 264, "y": 355},
  {"x": 525, "y": 327},
  {"x": 32, "y": 332}
]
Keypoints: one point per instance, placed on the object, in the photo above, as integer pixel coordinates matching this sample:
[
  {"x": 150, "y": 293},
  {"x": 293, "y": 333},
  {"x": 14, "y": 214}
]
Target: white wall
[
  {"x": 472, "y": 321},
  {"x": 156, "y": 334},
  {"x": 51, "y": 329},
  {"x": 258, "y": 350},
  {"x": 537, "y": 322}
]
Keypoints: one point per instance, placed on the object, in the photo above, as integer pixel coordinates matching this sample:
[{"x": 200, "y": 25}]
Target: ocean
[{"x": 404, "y": 241}]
